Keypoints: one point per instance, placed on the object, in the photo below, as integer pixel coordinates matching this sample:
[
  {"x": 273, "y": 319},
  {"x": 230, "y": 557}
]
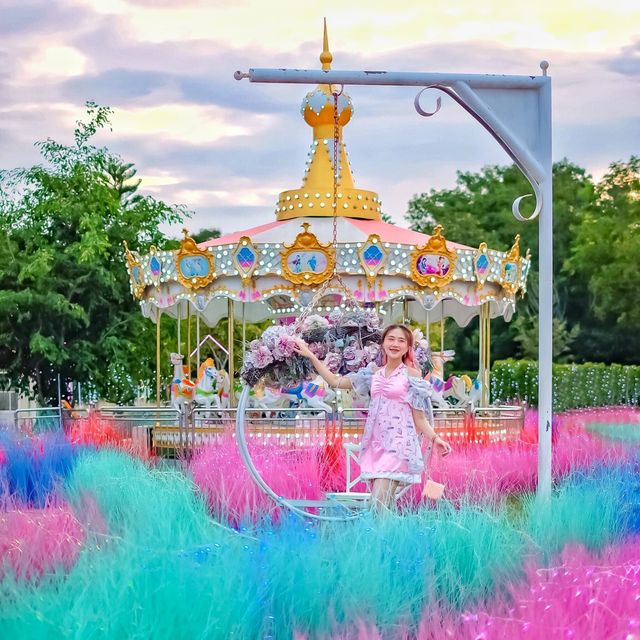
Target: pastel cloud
[{"x": 226, "y": 148}]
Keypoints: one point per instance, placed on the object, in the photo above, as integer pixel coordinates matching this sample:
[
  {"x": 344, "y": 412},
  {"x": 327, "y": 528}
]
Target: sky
[{"x": 225, "y": 149}]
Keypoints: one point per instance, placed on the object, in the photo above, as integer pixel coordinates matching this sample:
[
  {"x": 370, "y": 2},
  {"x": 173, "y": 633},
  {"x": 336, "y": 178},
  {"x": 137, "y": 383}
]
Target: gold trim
[
  {"x": 371, "y": 276},
  {"x": 137, "y": 288},
  {"x": 188, "y": 249},
  {"x": 512, "y": 257},
  {"x": 245, "y": 241},
  {"x": 307, "y": 241},
  {"x": 437, "y": 245},
  {"x": 480, "y": 251}
]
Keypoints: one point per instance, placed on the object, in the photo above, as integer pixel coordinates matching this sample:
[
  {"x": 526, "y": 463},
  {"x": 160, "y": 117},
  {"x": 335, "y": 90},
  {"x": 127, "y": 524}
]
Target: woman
[{"x": 390, "y": 454}]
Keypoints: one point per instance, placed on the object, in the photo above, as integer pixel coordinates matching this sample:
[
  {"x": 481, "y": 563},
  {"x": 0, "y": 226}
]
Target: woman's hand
[
  {"x": 443, "y": 445},
  {"x": 302, "y": 348}
]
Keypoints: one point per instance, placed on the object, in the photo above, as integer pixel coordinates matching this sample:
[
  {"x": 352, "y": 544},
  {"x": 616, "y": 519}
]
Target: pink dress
[{"x": 390, "y": 444}]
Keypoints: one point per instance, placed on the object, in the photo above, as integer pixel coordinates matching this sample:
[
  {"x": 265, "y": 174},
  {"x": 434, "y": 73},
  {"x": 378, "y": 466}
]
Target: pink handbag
[{"x": 432, "y": 489}]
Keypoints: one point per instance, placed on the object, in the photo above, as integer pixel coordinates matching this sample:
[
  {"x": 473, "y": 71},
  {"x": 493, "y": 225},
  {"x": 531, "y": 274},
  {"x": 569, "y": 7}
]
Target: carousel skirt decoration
[{"x": 345, "y": 341}]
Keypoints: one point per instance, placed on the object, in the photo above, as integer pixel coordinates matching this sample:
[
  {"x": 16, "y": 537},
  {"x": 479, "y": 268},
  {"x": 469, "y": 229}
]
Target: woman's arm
[
  {"x": 333, "y": 380},
  {"x": 423, "y": 425}
]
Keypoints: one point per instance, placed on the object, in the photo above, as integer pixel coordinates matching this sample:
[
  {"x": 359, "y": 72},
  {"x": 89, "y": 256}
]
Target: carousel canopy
[{"x": 275, "y": 269}]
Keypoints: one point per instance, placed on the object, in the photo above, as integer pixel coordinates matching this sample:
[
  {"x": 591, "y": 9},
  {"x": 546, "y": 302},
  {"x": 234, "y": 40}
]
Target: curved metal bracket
[{"x": 473, "y": 104}]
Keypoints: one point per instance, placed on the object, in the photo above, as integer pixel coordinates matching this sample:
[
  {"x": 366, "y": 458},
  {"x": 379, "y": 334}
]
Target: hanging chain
[{"x": 335, "y": 275}]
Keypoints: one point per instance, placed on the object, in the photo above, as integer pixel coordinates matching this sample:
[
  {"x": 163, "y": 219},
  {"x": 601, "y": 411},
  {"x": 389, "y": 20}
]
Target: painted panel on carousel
[
  {"x": 136, "y": 275},
  {"x": 482, "y": 264},
  {"x": 245, "y": 258},
  {"x": 372, "y": 257},
  {"x": 307, "y": 261},
  {"x": 195, "y": 266},
  {"x": 433, "y": 264}
]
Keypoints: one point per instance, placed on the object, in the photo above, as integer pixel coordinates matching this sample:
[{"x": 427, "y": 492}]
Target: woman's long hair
[{"x": 408, "y": 358}]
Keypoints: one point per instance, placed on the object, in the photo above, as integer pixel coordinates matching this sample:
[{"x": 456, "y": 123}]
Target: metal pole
[
  {"x": 442, "y": 327},
  {"x": 198, "y": 339},
  {"x": 158, "y": 358},
  {"x": 485, "y": 353},
  {"x": 390, "y": 78},
  {"x": 179, "y": 314},
  {"x": 405, "y": 311},
  {"x": 230, "y": 350},
  {"x": 189, "y": 340},
  {"x": 545, "y": 326},
  {"x": 244, "y": 331}
]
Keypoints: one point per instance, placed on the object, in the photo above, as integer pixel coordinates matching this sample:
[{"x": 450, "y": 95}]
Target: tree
[
  {"x": 65, "y": 305},
  {"x": 479, "y": 209},
  {"x": 603, "y": 263},
  {"x": 206, "y": 234}
]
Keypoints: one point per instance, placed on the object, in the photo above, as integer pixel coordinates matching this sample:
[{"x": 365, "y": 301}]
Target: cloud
[
  {"x": 627, "y": 62},
  {"x": 227, "y": 148}
]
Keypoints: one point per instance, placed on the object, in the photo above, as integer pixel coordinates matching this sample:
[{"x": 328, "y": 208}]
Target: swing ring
[{"x": 337, "y": 95}]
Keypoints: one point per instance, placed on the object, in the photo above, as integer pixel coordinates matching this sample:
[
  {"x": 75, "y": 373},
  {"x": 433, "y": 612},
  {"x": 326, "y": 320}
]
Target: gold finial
[
  {"x": 326, "y": 57},
  {"x": 514, "y": 252},
  {"x": 186, "y": 232}
]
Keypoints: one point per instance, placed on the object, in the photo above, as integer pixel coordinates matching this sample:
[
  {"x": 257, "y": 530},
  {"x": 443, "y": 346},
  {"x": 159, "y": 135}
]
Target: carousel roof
[{"x": 276, "y": 268}]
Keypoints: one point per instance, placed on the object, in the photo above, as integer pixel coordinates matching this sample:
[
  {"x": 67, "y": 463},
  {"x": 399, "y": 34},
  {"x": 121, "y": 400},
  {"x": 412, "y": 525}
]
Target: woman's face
[{"x": 395, "y": 344}]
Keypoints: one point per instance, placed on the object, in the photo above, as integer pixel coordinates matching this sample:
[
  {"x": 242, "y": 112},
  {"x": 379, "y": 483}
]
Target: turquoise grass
[{"x": 160, "y": 567}]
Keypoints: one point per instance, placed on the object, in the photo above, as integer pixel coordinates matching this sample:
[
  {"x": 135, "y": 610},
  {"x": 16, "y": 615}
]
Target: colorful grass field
[{"x": 97, "y": 543}]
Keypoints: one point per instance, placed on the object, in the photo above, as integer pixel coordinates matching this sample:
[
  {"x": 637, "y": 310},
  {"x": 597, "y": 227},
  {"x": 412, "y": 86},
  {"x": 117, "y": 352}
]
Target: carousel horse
[
  {"x": 315, "y": 394},
  {"x": 206, "y": 392},
  {"x": 455, "y": 391},
  {"x": 224, "y": 388},
  {"x": 182, "y": 389}
]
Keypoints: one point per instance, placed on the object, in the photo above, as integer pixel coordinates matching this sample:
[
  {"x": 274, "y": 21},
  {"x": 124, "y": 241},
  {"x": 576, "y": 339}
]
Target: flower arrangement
[
  {"x": 422, "y": 352},
  {"x": 345, "y": 341}
]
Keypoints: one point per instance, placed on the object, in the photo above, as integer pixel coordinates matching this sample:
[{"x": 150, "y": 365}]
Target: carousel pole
[
  {"x": 244, "y": 331},
  {"x": 178, "y": 313},
  {"x": 158, "y": 358},
  {"x": 189, "y": 340},
  {"x": 230, "y": 350},
  {"x": 485, "y": 353},
  {"x": 442, "y": 326},
  {"x": 198, "y": 340}
]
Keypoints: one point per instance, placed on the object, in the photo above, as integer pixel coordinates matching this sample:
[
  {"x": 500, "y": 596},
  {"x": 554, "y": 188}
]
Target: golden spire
[
  {"x": 315, "y": 197},
  {"x": 325, "y": 57}
]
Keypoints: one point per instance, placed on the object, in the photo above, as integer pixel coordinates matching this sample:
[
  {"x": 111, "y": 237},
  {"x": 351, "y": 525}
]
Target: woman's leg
[{"x": 383, "y": 494}]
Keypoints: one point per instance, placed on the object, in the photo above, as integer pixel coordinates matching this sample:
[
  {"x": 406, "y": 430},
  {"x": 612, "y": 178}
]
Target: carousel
[{"x": 327, "y": 248}]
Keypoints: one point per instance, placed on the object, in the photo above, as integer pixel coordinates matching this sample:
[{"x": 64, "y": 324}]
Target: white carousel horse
[
  {"x": 182, "y": 389},
  {"x": 315, "y": 395},
  {"x": 462, "y": 390},
  {"x": 224, "y": 388},
  {"x": 439, "y": 359},
  {"x": 206, "y": 392}
]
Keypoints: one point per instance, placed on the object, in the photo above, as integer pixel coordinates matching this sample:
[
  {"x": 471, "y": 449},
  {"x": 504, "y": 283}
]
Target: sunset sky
[{"x": 225, "y": 149}]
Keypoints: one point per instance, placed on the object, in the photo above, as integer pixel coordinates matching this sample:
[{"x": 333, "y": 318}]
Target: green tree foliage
[
  {"x": 479, "y": 209},
  {"x": 603, "y": 265},
  {"x": 65, "y": 304},
  {"x": 206, "y": 234}
]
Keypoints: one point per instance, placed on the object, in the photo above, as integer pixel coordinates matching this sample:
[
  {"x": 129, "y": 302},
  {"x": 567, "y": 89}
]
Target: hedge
[{"x": 574, "y": 385}]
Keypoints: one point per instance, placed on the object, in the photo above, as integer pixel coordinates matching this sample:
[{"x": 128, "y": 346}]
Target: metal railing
[
  {"x": 166, "y": 430},
  {"x": 45, "y": 419},
  {"x": 498, "y": 424}
]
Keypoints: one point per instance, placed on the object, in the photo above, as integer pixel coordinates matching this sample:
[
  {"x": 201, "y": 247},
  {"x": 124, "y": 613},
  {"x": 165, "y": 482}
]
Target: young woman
[{"x": 390, "y": 454}]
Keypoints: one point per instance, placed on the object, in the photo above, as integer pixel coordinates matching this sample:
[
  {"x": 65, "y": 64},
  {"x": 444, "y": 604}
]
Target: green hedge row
[{"x": 574, "y": 385}]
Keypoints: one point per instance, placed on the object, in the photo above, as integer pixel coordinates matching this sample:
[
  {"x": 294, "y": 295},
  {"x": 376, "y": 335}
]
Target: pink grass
[
  {"x": 472, "y": 469},
  {"x": 37, "y": 541}
]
